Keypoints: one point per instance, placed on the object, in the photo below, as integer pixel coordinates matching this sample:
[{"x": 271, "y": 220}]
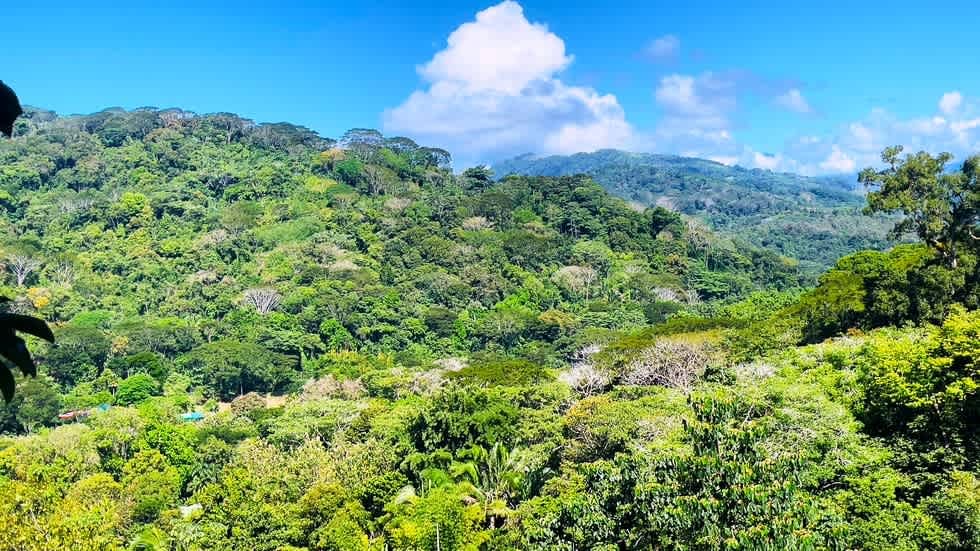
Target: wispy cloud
[
  {"x": 793, "y": 100},
  {"x": 950, "y": 102},
  {"x": 663, "y": 49}
]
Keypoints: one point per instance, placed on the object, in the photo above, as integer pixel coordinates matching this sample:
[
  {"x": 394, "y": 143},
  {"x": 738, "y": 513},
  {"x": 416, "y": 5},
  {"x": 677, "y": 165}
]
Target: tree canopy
[
  {"x": 941, "y": 207},
  {"x": 271, "y": 340}
]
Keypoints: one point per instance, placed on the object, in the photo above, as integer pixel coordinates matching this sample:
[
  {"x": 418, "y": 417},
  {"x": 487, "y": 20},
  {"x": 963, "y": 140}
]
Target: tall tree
[{"x": 941, "y": 207}]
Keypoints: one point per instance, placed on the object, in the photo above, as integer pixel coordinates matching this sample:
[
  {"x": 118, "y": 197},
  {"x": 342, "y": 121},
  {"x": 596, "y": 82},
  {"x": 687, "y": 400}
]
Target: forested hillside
[
  {"x": 271, "y": 340},
  {"x": 816, "y": 220},
  {"x": 213, "y": 230}
]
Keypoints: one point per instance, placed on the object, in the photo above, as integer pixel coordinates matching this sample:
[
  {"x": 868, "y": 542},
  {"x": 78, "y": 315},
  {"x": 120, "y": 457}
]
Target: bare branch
[
  {"x": 668, "y": 363},
  {"x": 263, "y": 300},
  {"x": 22, "y": 266}
]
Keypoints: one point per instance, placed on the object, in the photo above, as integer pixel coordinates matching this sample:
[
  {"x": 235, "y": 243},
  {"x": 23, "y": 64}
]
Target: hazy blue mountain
[{"x": 813, "y": 219}]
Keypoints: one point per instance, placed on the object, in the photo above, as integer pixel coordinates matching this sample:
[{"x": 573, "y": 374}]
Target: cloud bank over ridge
[{"x": 496, "y": 90}]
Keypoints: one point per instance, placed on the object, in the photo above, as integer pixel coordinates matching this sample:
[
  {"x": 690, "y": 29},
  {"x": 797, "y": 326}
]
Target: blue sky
[{"x": 814, "y": 87}]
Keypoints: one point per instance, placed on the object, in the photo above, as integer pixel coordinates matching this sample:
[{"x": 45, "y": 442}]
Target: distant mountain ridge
[
  {"x": 586, "y": 161},
  {"x": 651, "y": 173},
  {"x": 815, "y": 220}
]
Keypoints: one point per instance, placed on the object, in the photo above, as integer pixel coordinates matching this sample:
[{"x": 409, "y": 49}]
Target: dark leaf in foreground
[
  {"x": 14, "y": 349},
  {"x": 26, "y": 324},
  {"x": 10, "y": 109},
  {"x": 7, "y": 384}
]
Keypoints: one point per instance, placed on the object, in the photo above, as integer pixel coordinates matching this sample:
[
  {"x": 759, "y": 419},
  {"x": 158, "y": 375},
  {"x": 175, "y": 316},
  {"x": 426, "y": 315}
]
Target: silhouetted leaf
[
  {"x": 7, "y": 383},
  {"x": 27, "y": 324},
  {"x": 14, "y": 349},
  {"x": 9, "y": 109}
]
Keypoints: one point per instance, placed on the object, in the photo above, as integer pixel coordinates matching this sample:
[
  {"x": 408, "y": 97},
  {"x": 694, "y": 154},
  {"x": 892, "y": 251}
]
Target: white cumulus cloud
[
  {"x": 499, "y": 51},
  {"x": 696, "y": 114},
  {"x": 493, "y": 92},
  {"x": 838, "y": 161},
  {"x": 706, "y": 97}
]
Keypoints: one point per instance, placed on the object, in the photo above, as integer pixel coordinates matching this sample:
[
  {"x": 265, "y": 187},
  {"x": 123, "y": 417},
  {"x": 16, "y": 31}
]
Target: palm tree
[
  {"x": 497, "y": 478},
  {"x": 182, "y": 538}
]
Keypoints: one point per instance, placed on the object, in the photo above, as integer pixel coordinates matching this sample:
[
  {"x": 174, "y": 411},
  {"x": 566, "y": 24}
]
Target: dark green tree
[
  {"x": 136, "y": 388},
  {"x": 477, "y": 178},
  {"x": 37, "y": 403},
  {"x": 230, "y": 368},
  {"x": 941, "y": 207}
]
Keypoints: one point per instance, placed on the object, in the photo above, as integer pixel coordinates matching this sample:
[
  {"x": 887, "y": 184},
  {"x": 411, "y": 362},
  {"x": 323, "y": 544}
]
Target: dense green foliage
[
  {"x": 908, "y": 284},
  {"x": 269, "y": 340},
  {"x": 816, "y": 220},
  {"x": 250, "y": 258}
]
